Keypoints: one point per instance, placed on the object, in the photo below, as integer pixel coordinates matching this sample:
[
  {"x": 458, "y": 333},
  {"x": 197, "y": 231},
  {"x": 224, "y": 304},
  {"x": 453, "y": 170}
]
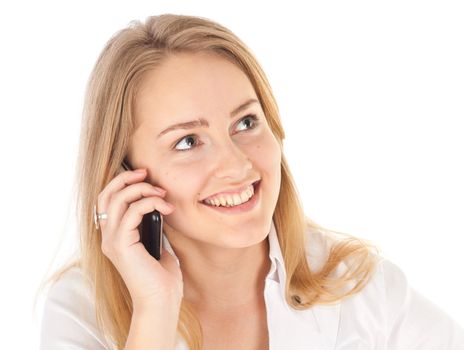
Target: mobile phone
[{"x": 151, "y": 227}]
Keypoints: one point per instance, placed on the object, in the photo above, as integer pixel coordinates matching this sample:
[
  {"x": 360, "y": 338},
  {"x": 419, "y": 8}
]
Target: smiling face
[{"x": 234, "y": 150}]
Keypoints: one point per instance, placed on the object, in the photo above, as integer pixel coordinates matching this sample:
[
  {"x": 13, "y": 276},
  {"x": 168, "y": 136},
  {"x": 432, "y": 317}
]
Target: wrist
[{"x": 171, "y": 302}]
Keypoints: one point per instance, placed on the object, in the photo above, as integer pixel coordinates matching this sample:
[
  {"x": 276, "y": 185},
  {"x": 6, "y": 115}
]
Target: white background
[{"x": 370, "y": 95}]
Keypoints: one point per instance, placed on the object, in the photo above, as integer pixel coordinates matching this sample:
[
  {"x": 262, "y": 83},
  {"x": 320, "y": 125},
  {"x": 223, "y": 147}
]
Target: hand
[{"x": 126, "y": 199}]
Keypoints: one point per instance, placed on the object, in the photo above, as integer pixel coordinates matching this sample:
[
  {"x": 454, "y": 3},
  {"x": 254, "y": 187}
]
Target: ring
[{"x": 98, "y": 216}]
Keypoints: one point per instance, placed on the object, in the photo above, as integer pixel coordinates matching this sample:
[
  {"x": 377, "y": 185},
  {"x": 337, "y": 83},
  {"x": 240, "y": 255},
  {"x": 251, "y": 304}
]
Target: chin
[{"x": 243, "y": 238}]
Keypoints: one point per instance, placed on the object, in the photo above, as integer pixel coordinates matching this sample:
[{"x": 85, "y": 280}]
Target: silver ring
[{"x": 98, "y": 216}]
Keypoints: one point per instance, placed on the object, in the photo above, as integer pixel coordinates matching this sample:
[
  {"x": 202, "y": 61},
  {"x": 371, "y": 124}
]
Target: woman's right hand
[{"x": 126, "y": 199}]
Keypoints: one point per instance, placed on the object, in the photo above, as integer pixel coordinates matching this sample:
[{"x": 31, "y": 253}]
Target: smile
[{"x": 242, "y": 206}]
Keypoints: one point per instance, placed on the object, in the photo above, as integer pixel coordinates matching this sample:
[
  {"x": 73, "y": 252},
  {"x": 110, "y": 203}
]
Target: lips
[
  {"x": 246, "y": 207},
  {"x": 236, "y": 191}
]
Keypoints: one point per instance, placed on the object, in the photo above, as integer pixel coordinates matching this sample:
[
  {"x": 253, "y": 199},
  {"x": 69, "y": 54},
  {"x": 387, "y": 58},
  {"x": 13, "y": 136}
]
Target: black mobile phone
[{"x": 151, "y": 227}]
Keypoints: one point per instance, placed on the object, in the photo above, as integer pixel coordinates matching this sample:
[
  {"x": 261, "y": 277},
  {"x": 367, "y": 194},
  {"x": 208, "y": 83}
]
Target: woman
[{"x": 186, "y": 104}]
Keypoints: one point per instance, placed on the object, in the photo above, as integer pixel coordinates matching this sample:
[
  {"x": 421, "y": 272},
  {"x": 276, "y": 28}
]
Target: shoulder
[
  {"x": 72, "y": 282},
  {"x": 387, "y": 289},
  {"x": 413, "y": 319},
  {"x": 317, "y": 247},
  {"x": 71, "y": 293},
  {"x": 319, "y": 244},
  {"x": 388, "y": 310},
  {"x": 69, "y": 314}
]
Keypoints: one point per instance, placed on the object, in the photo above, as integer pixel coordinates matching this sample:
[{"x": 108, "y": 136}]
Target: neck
[{"x": 223, "y": 279}]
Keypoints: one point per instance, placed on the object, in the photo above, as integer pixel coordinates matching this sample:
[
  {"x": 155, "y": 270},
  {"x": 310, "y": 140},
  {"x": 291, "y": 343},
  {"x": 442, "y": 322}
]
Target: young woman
[{"x": 186, "y": 104}]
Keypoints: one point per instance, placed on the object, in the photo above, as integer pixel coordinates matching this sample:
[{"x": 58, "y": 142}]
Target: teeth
[
  {"x": 244, "y": 196},
  {"x": 231, "y": 200}
]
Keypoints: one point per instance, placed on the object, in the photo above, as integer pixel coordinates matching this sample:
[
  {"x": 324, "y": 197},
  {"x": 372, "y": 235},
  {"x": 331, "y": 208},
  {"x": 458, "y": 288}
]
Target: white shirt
[{"x": 386, "y": 315}]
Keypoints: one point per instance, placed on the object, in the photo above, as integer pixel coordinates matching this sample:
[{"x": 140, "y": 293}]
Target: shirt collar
[
  {"x": 316, "y": 254},
  {"x": 277, "y": 271},
  {"x": 315, "y": 327}
]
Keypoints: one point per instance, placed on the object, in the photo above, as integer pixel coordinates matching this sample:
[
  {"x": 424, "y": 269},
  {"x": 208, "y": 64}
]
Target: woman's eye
[{"x": 191, "y": 138}]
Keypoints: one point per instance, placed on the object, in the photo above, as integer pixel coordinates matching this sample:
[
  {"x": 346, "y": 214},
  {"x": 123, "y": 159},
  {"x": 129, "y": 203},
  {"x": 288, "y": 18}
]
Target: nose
[{"x": 232, "y": 162}]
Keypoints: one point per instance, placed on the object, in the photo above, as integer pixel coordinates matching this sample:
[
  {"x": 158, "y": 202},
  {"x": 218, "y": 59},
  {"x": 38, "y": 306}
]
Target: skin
[{"x": 224, "y": 258}]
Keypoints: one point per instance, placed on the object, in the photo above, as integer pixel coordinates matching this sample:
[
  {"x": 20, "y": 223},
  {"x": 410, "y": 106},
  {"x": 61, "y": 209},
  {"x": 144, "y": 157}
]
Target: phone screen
[{"x": 151, "y": 227}]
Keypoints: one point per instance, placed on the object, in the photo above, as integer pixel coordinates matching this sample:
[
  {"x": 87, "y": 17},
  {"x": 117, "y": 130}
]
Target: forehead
[{"x": 191, "y": 85}]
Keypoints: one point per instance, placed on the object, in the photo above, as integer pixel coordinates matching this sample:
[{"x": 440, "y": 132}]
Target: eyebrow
[{"x": 201, "y": 122}]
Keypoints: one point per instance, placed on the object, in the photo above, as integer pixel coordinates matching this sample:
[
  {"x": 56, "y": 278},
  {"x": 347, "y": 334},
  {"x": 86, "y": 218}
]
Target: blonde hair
[{"x": 108, "y": 122}]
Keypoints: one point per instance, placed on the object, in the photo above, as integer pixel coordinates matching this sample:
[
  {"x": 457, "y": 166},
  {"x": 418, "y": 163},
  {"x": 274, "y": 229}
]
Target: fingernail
[{"x": 141, "y": 170}]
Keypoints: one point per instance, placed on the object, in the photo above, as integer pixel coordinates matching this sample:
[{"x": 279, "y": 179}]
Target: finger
[
  {"x": 116, "y": 184},
  {"x": 120, "y": 201},
  {"x": 122, "y": 180},
  {"x": 134, "y": 214},
  {"x": 126, "y": 232}
]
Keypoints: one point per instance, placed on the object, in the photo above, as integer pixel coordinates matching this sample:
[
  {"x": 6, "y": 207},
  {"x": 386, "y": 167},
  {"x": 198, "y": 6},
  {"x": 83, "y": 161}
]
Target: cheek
[
  {"x": 267, "y": 153},
  {"x": 180, "y": 182}
]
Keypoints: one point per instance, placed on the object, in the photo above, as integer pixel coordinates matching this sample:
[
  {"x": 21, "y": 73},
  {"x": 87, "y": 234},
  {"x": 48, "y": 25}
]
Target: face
[{"x": 195, "y": 163}]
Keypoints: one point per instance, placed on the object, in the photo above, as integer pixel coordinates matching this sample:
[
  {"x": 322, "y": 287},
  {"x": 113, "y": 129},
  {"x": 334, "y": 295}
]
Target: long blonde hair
[{"x": 106, "y": 129}]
